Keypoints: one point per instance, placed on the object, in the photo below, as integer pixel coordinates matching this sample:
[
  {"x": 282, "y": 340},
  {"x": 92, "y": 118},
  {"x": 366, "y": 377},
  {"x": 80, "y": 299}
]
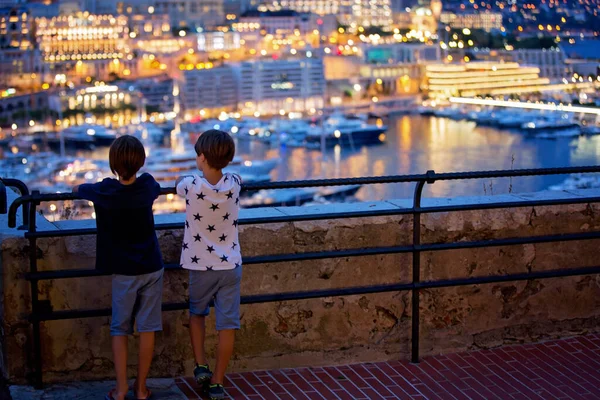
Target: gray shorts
[
  {"x": 136, "y": 299},
  {"x": 224, "y": 288}
]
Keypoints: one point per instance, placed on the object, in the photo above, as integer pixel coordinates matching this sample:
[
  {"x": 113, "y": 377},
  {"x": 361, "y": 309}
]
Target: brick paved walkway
[{"x": 560, "y": 369}]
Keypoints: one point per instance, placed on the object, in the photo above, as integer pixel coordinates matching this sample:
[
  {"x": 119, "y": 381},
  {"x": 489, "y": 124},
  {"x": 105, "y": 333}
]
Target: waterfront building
[
  {"x": 208, "y": 90},
  {"x": 100, "y": 100},
  {"x": 22, "y": 108},
  {"x": 486, "y": 21},
  {"x": 269, "y": 86},
  {"x": 482, "y": 78},
  {"x": 157, "y": 93},
  {"x": 551, "y": 62}
]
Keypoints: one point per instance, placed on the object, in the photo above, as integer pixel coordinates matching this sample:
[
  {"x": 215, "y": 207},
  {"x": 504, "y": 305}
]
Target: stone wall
[{"x": 330, "y": 330}]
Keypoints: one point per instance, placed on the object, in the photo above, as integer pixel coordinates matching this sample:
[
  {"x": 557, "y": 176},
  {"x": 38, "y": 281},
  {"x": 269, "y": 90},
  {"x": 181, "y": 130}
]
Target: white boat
[
  {"x": 298, "y": 197},
  {"x": 86, "y": 136},
  {"x": 550, "y": 126},
  {"x": 579, "y": 181},
  {"x": 339, "y": 130}
]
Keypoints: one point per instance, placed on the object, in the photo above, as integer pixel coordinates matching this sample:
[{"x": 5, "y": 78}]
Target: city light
[{"x": 524, "y": 105}]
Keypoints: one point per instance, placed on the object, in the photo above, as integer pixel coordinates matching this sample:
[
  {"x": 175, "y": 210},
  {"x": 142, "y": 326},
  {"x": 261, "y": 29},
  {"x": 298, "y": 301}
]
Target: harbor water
[{"x": 415, "y": 144}]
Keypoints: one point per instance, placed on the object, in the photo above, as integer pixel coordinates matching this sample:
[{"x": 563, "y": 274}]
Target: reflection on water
[{"x": 416, "y": 144}]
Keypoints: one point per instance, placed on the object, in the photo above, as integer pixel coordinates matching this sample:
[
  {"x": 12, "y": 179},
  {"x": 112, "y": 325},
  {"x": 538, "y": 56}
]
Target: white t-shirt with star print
[{"x": 210, "y": 239}]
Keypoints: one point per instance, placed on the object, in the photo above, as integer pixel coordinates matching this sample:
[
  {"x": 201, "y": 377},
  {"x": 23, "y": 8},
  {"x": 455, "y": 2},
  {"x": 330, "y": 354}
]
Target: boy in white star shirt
[{"x": 211, "y": 252}]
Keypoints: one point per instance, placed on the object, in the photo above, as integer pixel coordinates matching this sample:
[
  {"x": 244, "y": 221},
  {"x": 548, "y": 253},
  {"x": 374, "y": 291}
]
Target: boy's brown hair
[
  {"x": 217, "y": 146},
  {"x": 126, "y": 156}
]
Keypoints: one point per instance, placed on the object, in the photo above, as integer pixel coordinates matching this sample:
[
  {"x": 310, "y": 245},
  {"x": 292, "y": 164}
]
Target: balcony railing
[{"x": 41, "y": 312}]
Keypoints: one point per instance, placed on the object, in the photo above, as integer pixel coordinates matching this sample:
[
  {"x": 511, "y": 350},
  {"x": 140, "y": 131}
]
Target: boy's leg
[
  {"x": 123, "y": 304},
  {"x": 144, "y": 361},
  {"x": 149, "y": 321},
  {"x": 227, "y": 308},
  {"x": 203, "y": 285},
  {"x": 119, "y": 348},
  {"x": 197, "y": 335},
  {"x": 224, "y": 352}
]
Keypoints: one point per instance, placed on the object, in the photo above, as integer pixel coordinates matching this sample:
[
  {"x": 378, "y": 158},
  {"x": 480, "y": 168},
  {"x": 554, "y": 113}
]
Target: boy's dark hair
[
  {"x": 126, "y": 156},
  {"x": 217, "y": 146}
]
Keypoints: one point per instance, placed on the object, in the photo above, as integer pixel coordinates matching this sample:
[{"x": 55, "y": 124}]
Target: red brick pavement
[{"x": 558, "y": 369}]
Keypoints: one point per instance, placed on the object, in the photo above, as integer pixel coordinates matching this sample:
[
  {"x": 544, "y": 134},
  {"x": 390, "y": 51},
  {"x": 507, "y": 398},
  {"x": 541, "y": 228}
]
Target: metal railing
[{"x": 42, "y": 311}]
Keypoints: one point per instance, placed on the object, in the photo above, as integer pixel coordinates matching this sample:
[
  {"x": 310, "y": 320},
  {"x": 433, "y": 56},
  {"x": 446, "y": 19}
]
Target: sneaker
[
  {"x": 202, "y": 374},
  {"x": 216, "y": 392}
]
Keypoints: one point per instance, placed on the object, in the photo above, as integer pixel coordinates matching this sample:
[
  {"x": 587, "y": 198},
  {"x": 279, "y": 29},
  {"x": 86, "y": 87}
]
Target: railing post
[
  {"x": 416, "y": 272},
  {"x": 37, "y": 346}
]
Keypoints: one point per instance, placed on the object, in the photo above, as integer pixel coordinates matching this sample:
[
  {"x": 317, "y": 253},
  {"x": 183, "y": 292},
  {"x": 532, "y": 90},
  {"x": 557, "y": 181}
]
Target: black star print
[
  {"x": 187, "y": 224},
  {"x": 216, "y": 190},
  {"x": 197, "y": 217},
  {"x": 230, "y": 195},
  {"x": 187, "y": 202},
  {"x": 180, "y": 265},
  {"x": 211, "y": 228},
  {"x": 185, "y": 246},
  {"x": 226, "y": 178},
  {"x": 209, "y": 268},
  {"x": 235, "y": 223},
  {"x": 186, "y": 190},
  {"x": 214, "y": 207},
  {"x": 234, "y": 246},
  {"x": 210, "y": 249},
  {"x": 222, "y": 238},
  {"x": 200, "y": 196},
  {"x": 224, "y": 258},
  {"x": 237, "y": 265},
  {"x": 226, "y": 216},
  {"x": 237, "y": 201},
  {"x": 194, "y": 181},
  {"x": 195, "y": 260},
  {"x": 197, "y": 238}
]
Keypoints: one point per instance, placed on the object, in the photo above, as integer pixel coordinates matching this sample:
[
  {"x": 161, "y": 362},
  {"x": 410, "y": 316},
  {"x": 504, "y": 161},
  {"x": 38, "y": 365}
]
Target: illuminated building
[
  {"x": 157, "y": 93},
  {"x": 486, "y": 21},
  {"x": 268, "y": 86},
  {"x": 16, "y": 107},
  {"x": 217, "y": 41},
  {"x": 482, "y": 78},
  {"x": 352, "y": 13},
  {"x": 191, "y": 13},
  {"x": 209, "y": 88},
  {"x": 83, "y": 37},
  {"x": 281, "y": 23},
  {"x": 99, "y": 98},
  {"x": 18, "y": 56},
  {"x": 551, "y": 62},
  {"x": 85, "y": 45},
  {"x": 16, "y": 28},
  {"x": 144, "y": 26}
]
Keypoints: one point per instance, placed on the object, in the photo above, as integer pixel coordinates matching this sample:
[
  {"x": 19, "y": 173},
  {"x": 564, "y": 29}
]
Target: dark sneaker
[
  {"x": 216, "y": 392},
  {"x": 202, "y": 374}
]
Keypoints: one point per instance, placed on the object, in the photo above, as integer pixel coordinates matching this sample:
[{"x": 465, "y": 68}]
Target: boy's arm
[
  {"x": 182, "y": 184},
  {"x": 87, "y": 191}
]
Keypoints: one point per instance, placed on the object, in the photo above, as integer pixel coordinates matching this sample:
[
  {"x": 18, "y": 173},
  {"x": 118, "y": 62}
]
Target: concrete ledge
[{"x": 267, "y": 213}]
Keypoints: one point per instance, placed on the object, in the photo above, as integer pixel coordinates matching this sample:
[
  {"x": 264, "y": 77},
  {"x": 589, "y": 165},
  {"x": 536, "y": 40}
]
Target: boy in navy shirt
[
  {"x": 127, "y": 247},
  {"x": 211, "y": 252}
]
